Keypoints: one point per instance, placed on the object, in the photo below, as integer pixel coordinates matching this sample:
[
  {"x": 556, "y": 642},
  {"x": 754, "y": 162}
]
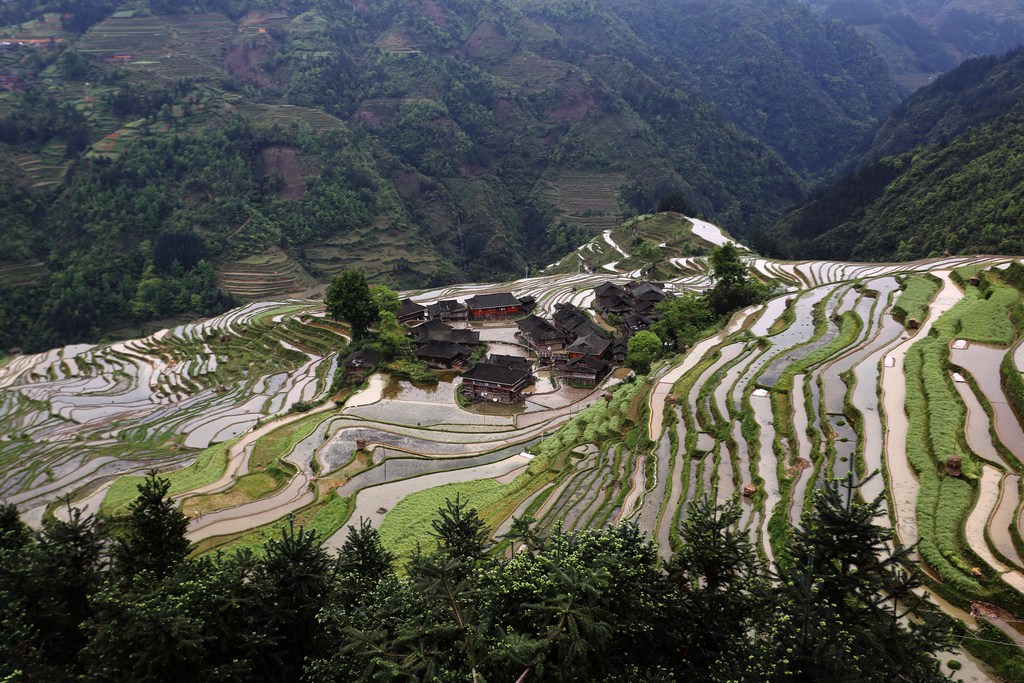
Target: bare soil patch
[{"x": 283, "y": 162}]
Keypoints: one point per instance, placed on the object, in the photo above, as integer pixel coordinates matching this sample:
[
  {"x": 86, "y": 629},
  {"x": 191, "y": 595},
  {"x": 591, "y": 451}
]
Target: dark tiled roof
[
  {"x": 442, "y": 349},
  {"x": 423, "y": 330},
  {"x": 410, "y": 307},
  {"x": 646, "y": 290},
  {"x": 498, "y": 374},
  {"x": 464, "y": 336},
  {"x": 568, "y": 316},
  {"x": 362, "y": 358},
  {"x": 538, "y": 328},
  {"x": 635, "y": 321},
  {"x": 597, "y": 365},
  {"x": 499, "y": 300},
  {"x": 435, "y": 330},
  {"x": 446, "y": 306},
  {"x": 591, "y": 344},
  {"x": 510, "y": 361},
  {"x": 607, "y": 288}
]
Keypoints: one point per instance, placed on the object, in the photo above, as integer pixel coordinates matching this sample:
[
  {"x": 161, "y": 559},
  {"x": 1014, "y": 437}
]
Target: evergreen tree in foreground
[{"x": 583, "y": 605}]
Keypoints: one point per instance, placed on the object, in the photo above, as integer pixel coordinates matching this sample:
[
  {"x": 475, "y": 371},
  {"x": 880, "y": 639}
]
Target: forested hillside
[
  {"x": 944, "y": 173},
  {"x": 809, "y": 89},
  {"x": 920, "y": 39},
  {"x": 266, "y": 145}
]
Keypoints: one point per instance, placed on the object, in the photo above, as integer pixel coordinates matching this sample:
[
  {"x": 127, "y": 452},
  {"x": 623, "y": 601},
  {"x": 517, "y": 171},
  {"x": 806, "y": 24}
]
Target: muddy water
[
  {"x": 978, "y": 424},
  {"x": 803, "y": 448},
  {"x": 864, "y": 398},
  {"x": 982, "y": 361},
  {"x": 678, "y": 487},
  {"x": 799, "y": 335},
  {"x": 724, "y": 390},
  {"x": 692, "y": 358},
  {"x": 772, "y": 312},
  {"x": 974, "y": 530},
  {"x": 728, "y": 354},
  {"x": 1001, "y": 522},
  {"x": 767, "y": 466}
]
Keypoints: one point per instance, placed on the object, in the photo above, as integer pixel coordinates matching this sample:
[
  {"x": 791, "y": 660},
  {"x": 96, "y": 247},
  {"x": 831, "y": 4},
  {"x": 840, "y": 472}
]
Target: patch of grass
[
  {"x": 408, "y": 524},
  {"x": 1013, "y": 384},
  {"x": 208, "y": 466},
  {"x": 325, "y": 516},
  {"x": 244, "y": 489},
  {"x": 918, "y": 292},
  {"x": 996, "y": 649},
  {"x": 280, "y": 442}
]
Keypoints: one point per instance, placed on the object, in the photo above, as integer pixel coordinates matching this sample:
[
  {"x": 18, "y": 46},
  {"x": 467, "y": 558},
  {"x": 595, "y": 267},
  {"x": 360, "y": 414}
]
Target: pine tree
[{"x": 154, "y": 535}]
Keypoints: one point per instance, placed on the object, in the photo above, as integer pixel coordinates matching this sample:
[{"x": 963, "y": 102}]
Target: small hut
[{"x": 953, "y": 466}]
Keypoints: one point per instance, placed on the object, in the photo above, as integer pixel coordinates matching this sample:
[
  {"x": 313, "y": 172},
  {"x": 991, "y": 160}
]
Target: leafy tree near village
[
  {"x": 733, "y": 286},
  {"x": 348, "y": 298},
  {"x": 683, "y": 320},
  {"x": 643, "y": 348}
]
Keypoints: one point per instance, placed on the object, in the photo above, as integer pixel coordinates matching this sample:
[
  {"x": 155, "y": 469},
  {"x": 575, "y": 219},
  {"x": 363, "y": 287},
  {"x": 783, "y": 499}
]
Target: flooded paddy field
[{"x": 823, "y": 379}]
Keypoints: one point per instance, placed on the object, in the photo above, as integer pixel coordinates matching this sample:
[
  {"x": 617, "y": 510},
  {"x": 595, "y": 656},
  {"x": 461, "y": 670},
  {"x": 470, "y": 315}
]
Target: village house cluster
[{"x": 571, "y": 344}]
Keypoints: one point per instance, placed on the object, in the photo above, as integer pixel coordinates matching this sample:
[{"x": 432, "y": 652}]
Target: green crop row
[
  {"x": 1014, "y": 275},
  {"x": 939, "y": 520},
  {"x": 324, "y": 516}
]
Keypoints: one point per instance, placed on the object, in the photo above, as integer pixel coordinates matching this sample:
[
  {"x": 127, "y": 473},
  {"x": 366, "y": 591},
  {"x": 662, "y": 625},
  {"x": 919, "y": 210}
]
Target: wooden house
[
  {"x": 589, "y": 345},
  {"x": 494, "y": 306},
  {"x": 442, "y": 355},
  {"x": 435, "y": 330},
  {"x": 542, "y": 336},
  {"x": 361, "y": 363},
  {"x": 448, "y": 309},
  {"x": 584, "y": 371},
  {"x": 411, "y": 312},
  {"x": 499, "y": 382}
]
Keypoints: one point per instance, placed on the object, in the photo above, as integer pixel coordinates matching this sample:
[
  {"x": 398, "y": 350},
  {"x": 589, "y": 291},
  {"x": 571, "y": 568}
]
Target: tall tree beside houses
[{"x": 348, "y": 298}]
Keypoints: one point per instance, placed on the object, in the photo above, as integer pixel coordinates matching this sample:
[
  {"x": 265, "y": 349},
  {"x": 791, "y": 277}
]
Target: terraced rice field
[
  {"x": 588, "y": 200},
  {"x": 186, "y": 46},
  {"x": 820, "y": 381},
  {"x": 265, "y": 276},
  {"x": 528, "y": 72},
  {"x": 23, "y": 272},
  {"x": 286, "y": 114}
]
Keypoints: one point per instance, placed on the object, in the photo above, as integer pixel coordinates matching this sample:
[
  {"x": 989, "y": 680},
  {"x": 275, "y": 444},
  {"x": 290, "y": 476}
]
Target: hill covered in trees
[
  {"x": 943, "y": 173},
  {"x": 265, "y": 146},
  {"x": 921, "y": 39}
]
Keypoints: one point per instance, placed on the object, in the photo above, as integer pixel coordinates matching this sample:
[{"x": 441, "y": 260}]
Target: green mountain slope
[
  {"x": 265, "y": 145},
  {"x": 807, "y": 88},
  {"x": 920, "y": 39},
  {"x": 944, "y": 173}
]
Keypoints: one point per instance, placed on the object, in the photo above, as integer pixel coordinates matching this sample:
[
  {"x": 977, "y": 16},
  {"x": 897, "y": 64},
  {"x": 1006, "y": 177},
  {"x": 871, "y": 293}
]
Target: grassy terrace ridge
[
  {"x": 208, "y": 466},
  {"x": 918, "y": 292},
  {"x": 268, "y": 472}
]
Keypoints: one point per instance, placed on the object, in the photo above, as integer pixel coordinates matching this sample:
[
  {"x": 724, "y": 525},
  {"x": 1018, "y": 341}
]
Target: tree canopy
[
  {"x": 348, "y": 298},
  {"x": 588, "y": 604}
]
